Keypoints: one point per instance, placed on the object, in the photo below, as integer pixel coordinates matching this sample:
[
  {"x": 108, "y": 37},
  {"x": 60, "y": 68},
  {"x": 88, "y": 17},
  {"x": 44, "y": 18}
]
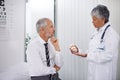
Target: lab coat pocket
[{"x": 101, "y": 47}]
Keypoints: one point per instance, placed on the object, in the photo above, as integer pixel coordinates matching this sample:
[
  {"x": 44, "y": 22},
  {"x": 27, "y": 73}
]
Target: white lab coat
[{"x": 102, "y": 64}]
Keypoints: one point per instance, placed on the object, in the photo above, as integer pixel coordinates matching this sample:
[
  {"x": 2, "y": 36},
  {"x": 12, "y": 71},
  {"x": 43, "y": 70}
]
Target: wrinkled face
[
  {"x": 98, "y": 22},
  {"x": 49, "y": 30}
]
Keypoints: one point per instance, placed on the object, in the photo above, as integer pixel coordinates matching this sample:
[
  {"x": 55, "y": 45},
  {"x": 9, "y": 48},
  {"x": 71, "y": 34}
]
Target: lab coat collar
[{"x": 103, "y": 27}]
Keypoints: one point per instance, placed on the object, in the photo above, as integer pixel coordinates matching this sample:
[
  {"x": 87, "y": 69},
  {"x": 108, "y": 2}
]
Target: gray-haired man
[{"x": 43, "y": 53}]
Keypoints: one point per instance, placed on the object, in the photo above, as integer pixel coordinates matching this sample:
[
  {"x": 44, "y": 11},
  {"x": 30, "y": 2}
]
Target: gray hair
[
  {"x": 41, "y": 23},
  {"x": 101, "y": 11}
]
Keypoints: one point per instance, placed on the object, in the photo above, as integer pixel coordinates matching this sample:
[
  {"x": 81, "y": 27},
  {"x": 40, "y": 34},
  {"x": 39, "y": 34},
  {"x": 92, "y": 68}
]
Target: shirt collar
[{"x": 40, "y": 40}]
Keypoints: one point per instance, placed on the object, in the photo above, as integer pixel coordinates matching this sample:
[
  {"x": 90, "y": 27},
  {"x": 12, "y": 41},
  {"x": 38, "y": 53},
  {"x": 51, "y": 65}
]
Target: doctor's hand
[
  {"x": 74, "y": 50},
  {"x": 55, "y": 43}
]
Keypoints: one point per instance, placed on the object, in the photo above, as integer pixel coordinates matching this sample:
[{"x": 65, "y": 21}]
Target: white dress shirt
[
  {"x": 102, "y": 57},
  {"x": 36, "y": 58}
]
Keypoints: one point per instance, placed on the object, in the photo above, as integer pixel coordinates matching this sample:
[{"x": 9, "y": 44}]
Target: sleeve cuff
[{"x": 59, "y": 59}]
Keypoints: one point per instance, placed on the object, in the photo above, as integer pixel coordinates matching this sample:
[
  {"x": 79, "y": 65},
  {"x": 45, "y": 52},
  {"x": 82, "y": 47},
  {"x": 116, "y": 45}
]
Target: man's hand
[
  {"x": 55, "y": 43},
  {"x": 56, "y": 67}
]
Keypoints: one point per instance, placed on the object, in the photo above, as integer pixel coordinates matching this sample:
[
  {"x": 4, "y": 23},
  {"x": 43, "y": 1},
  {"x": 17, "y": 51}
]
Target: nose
[{"x": 53, "y": 28}]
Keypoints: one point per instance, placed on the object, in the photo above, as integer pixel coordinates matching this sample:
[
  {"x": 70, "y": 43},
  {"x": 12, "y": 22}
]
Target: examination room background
[{"x": 73, "y": 25}]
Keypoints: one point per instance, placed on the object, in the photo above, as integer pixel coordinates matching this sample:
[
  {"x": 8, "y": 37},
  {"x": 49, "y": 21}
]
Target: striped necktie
[{"x": 47, "y": 54}]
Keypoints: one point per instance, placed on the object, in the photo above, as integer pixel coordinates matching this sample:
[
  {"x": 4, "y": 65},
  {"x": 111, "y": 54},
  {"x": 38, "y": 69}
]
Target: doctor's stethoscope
[
  {"x": 104, "y": 34},
  {"x": 101, "y": 46}
]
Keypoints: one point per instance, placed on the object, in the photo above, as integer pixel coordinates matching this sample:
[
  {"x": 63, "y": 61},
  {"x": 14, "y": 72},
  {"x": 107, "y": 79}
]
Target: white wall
[
  {"x": 36, "y": 9},
  {"x": 12, "y": 40},
  {"x": 74, "y": 25}
]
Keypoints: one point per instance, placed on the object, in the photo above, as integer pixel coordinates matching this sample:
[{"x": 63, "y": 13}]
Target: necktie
[{"x": 47, "y": 54}]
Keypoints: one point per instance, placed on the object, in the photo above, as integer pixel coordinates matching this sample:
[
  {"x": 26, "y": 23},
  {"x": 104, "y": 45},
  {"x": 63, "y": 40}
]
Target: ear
[{"x": 103, "y": 19}]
